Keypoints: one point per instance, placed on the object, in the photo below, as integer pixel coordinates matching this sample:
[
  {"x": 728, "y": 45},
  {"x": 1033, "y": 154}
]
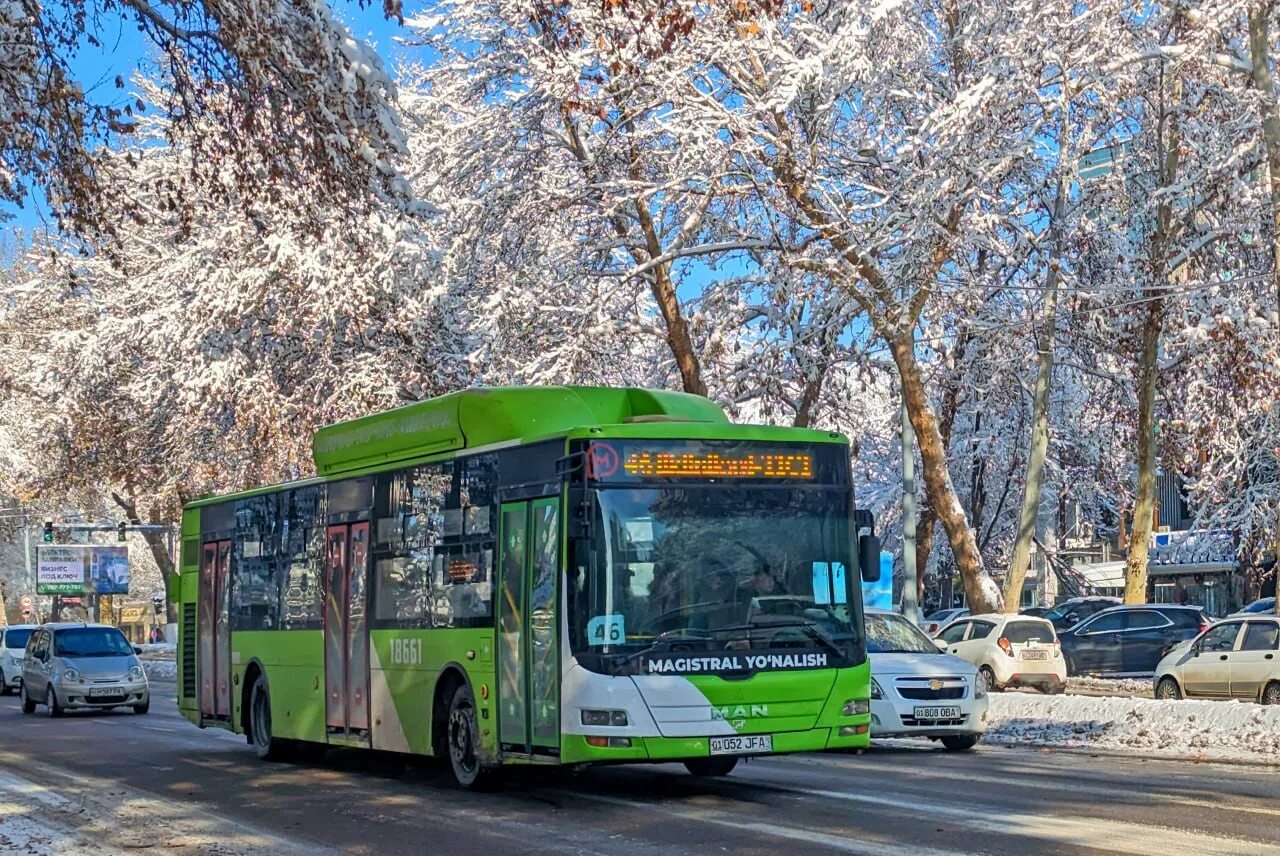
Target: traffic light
[
  {"x": 120, "y": 533},
  {"x": 48, "y": 532}
]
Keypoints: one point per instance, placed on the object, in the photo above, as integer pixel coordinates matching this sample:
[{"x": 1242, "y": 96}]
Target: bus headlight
[
  {"x": 617, "y": 718},
  {"x": 856, "y": 707}
]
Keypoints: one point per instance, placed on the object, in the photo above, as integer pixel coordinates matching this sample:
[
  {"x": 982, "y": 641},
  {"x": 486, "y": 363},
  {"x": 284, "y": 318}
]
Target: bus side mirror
[{"x": 869, "y": 558}]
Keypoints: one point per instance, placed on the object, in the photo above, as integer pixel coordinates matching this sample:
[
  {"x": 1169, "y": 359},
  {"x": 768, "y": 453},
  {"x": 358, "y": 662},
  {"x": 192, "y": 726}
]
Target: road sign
[{"x": 28, "y": 604}]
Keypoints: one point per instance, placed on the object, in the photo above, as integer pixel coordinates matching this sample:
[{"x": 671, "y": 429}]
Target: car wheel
[
  {"x": 1168, "y": 690},
  {"x": 711, "y": 767},
  {"x": 143, "y": 708},
  {"x": 28, "y": 706},
  {"x": 961, "y": 742},
  {"x": 1271, "y": 695},
  {"x": 51, "y": 704},
  {"x": 464, "y": 744},
  {"x": 989, "y": 678},
  {"x": 5, "y": 689}
]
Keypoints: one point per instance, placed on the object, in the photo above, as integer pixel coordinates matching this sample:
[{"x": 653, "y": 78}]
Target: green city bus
[{"x": 552, "y": 575}]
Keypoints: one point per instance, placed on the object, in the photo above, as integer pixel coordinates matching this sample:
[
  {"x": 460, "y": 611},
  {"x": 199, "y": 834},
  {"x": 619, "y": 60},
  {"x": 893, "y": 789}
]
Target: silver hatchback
[{"x": 80, "y": 666}]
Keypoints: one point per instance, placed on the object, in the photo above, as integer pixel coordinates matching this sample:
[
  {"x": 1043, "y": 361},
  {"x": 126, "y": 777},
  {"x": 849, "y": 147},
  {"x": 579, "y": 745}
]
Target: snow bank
[
  {"x": 1209, "y": 730},
  {"x": 1140, "y": 687},
  {"x": 160, "y": 670}
]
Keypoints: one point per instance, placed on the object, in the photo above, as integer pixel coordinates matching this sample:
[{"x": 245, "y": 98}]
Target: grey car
[{"x": 82, "y": 666}]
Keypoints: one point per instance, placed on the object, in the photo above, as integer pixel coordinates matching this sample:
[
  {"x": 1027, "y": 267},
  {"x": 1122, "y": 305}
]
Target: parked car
[
  {"x": 1129, "y": 639},
  {"x": 1034, "y": 611},
  {"x": 1077, "y": 609},
  {"x": 1009, "y": 651},
  {"x": 919, "y": 691},
  {"x": 1232, "y": 659},
  {"x": 935, "y": 621},
  {"x": 73, "y": 666},
  {"x": 13, "y": 642},
  {"x": 1261, "y": 606}
]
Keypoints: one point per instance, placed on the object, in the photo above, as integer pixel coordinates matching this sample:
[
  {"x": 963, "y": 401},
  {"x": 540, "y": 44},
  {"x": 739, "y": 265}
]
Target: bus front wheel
[
  {"x": 463, "y": 738},
  {"x": 709, "y": 767}
]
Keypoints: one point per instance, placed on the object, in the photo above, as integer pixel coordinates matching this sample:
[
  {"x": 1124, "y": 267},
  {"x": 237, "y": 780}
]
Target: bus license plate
[
  {"x": 741, "y": 745},
  {"x": 937, "y": 713}
]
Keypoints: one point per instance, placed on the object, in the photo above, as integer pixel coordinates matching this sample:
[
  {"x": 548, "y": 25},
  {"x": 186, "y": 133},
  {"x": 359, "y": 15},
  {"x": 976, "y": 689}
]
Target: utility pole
[{"x": 910, "y": 608}]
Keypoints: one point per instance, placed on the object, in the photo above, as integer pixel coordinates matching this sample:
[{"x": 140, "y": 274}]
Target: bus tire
[
  {"x": 463, "y": 739},
  {"x": 267, "y": 746},
  {"x": 711, "y": 767}
]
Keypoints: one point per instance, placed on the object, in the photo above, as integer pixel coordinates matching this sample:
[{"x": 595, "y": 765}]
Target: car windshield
[
  {"x": 90, "y": 642},
  {"x": 17, "y": 638},
  {"x": 893, "y": 634},
  {"x": 714, "y": 568},
  {"x": 1028, "y": 631}
]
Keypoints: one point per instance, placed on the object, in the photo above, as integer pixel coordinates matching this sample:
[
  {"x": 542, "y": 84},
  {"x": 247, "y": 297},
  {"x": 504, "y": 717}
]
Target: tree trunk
[
  {"x": 981, "y": 590},
  {"x": 1135, "y": 571},
  {"x": 159, "y": 552},
  {"x": 1033, "y": 483},
  {"x": 1260, "y": 54},
  {"x": 664, "y": 293}
]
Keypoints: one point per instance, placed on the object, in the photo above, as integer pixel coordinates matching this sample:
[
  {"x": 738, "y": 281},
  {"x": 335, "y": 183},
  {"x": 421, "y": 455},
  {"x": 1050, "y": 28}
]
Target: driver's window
[
  {"x": 1221, "y": 638},
  {"x": 954, "y": 633}
]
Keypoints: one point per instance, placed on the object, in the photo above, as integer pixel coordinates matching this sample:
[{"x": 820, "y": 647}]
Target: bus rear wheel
[
  {"x": 711, "y": 767},
  {"x": 463, "y": 738},
  {"x": 267, "y": 746}
]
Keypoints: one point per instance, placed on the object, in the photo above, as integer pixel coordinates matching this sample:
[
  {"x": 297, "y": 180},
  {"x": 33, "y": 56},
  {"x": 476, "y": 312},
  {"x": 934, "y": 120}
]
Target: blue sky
[{"x": 125, "y": 51}]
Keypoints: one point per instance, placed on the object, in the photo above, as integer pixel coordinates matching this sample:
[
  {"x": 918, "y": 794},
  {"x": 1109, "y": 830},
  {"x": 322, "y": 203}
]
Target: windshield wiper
[
  {"x": 807, "y": 626},
  {"x": 664, "y": 640}
]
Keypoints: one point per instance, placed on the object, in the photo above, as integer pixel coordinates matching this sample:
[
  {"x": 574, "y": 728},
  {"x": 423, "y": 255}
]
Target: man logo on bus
[
  {"x": 737, "y": 715},
  {"x": 602, "y": 461}
]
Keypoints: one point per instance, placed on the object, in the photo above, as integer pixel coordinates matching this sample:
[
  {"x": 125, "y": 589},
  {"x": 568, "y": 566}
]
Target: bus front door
[
  {"x": 528, "y": 651},
  {"x": 346, "y": 633},
  {"x": 213, "y": 631}
]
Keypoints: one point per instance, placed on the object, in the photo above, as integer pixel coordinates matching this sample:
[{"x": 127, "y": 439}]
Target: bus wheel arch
[{"x": 451, "y": 677}]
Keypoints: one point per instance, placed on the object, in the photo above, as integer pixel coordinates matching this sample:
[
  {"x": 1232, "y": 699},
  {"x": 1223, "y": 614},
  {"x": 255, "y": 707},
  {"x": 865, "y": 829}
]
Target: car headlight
[
  {"x": 71, "y": 676},
  {"x": 135, "y": 673},
  {"x": 876, "y": 692},
  {"x": 979, "y": 687}
]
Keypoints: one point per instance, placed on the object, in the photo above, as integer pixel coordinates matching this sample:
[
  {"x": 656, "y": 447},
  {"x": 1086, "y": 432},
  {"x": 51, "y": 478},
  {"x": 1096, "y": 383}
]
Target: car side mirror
[
  {"x": 941, "y": 644},
  {"x": 869, "y": 558},
  {"x": 137, "y": 649},
  {"x": 1072, "y": 619}
]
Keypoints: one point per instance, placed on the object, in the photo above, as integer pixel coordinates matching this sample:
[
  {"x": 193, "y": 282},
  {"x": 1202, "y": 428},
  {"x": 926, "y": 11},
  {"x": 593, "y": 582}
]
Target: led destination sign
[{"x": 692, "y": 460}]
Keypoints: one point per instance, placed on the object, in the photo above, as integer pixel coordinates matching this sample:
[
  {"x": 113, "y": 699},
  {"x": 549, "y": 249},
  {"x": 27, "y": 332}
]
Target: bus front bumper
[{"x": 576, "y": 750}]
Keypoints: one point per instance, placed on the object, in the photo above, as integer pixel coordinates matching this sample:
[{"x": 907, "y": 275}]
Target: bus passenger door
[
  {"x": 346, "y": 632},
  {"x": 528, "y": 627},
  {"x": 214, "y": 631}
]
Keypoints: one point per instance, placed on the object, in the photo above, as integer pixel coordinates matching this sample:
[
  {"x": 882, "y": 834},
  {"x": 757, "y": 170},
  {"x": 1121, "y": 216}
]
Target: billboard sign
[{"x": 74, "y": 569}]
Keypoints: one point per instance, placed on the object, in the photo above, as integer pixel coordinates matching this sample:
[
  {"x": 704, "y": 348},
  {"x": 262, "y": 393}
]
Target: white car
[
  {"x": 935, "y": 621},
  {"x": 918, "y": 691},
  {"x": 1009, "y": 650},
  {"x": 13, "y": 645},
  {"x": 1235, "y": 658}
]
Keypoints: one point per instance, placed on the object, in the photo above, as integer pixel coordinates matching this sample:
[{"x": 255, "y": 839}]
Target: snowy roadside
[
  {"x": 159, "y": 661},
  {"x": 1204, "y": 730},
  {"x": 1139, "y": 687}
]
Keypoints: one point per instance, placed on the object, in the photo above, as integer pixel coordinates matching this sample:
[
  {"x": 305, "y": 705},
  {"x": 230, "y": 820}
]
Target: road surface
[{"x": 103, "y": 783}]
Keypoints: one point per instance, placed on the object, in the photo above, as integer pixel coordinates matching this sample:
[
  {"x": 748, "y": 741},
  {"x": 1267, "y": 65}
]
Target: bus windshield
[{"x": 712, "y": 569}]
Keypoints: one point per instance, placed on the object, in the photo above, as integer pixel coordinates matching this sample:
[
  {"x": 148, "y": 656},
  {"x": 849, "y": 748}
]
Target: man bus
[{"x": 561, "y": 575}]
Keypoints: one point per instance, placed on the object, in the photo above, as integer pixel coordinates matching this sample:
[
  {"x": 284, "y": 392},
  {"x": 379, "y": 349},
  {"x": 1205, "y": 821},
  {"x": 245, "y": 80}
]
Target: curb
[{"x": 1132, "y": 756}]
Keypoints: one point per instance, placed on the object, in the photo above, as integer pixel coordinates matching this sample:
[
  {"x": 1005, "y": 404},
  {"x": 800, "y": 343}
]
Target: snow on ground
[
  {"x": 160, "y": 670},
  {"x": 159, "y": 649},
  {"x": 1208, "y": 730},
  {"x": 1140, "y": 687}
]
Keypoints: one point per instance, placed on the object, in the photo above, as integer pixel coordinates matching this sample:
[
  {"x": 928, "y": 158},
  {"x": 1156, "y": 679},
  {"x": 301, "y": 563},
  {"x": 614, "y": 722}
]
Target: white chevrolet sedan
[
  {"x": 1236, "y": 658},
  {"x": 917, "y": 690}
]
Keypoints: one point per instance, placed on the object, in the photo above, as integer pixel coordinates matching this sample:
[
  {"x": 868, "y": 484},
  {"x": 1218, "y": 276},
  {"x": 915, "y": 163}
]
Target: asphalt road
[{"x": 103, "y": 783}]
